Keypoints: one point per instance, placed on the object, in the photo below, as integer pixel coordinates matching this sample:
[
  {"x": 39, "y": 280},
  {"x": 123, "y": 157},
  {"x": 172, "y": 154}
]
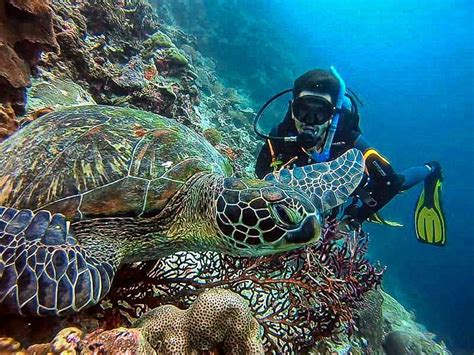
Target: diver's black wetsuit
[{"x": 381, "y": 183}]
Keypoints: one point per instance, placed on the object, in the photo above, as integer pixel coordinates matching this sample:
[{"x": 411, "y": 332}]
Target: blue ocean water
[{"x": 412, "y": 65}]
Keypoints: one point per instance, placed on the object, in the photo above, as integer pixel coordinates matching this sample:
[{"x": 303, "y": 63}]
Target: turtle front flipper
[
  {"x": 327, "y": 184},
  {"x": 43, "y": 269}
]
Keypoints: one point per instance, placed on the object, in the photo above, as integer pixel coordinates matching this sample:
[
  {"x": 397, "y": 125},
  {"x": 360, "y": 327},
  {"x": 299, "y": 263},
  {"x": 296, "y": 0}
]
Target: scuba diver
[{"x": 322, "y": 123}]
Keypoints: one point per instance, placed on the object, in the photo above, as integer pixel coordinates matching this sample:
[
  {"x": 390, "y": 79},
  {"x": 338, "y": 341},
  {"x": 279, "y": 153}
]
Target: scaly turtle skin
[{"x": 86, "y": 189}]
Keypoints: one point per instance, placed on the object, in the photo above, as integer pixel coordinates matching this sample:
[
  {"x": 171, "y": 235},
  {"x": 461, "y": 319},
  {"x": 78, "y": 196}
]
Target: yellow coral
[{"x": 218, "y": 317}]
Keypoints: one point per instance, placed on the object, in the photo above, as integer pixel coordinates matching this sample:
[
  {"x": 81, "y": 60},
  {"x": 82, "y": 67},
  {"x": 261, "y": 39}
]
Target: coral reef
[
  {"x": 34, "y": 331},
  {"x": 9, "y": 345},
  {"x": 158, "y": 39},
  {"x": 121, "y": 55},
  {"x": 8, "y": 122},
  {"x": 26, "y": 29},
  {"x": 299, "y": 299},
  {"x": 383, "y": 326},
  {"x": 216, "y": 317},
  {"x": 302, "y": 299},
  {"x": 118, "y": 53},
  {"x": 402, "y": 332},
  {"x": 65, "y": 342},
  {"x": 370, "y": 320},
  {"x": 49, "y": 91},
  {"x": 213, "y": 136},
  {"x": 217, "y": 320},
  {"x": 117, "y": 341},
  {"x": 222, "y": 31},
  {"x": 399, "y": 343}
]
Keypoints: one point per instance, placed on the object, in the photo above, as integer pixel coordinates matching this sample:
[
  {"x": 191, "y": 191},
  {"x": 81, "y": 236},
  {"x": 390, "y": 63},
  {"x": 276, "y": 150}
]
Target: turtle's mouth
[{"x": 309, "y": 231}]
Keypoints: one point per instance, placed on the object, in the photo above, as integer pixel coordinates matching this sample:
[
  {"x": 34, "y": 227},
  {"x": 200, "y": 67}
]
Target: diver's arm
[
  {"x": 415, "y": 175},
  {"x": 383, "y": 182},
  {"x": 379, "y": 168},
  {"x": 406, "y": 179}
]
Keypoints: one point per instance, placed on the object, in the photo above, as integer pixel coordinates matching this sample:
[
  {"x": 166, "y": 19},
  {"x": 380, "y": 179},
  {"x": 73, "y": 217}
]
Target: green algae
[
  {"x": 158, "y": 40},
  {"x": 175, "y": 56},
  {"x": 213, "y": 136}
]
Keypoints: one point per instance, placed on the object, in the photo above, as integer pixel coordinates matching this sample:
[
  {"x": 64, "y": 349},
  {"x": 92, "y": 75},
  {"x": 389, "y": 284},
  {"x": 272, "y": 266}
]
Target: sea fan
[{"x": 299, "y": 297}]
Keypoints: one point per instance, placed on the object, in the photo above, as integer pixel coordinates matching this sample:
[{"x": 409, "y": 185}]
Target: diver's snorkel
[{"x": 324, "y": 155}]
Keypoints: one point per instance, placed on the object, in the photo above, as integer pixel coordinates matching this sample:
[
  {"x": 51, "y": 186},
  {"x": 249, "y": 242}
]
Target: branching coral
[{"x": 298, "y": 298}]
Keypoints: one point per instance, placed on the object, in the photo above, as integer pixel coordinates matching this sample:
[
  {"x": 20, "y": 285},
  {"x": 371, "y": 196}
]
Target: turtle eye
[{"x": 285, "y": 215}]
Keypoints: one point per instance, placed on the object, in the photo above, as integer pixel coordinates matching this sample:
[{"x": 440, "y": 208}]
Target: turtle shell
[{"x": 95, "y": 161}]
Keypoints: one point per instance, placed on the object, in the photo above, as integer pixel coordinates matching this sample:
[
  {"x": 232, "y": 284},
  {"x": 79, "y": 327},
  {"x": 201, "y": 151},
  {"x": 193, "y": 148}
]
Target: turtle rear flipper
[
  {"x": 327, "y": 184},
  {"x": 43, "y": 270}
]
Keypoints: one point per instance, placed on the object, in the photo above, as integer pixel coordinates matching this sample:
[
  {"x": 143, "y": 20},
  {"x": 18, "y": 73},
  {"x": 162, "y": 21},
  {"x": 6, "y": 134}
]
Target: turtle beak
[{"x": 309, "y": 231}]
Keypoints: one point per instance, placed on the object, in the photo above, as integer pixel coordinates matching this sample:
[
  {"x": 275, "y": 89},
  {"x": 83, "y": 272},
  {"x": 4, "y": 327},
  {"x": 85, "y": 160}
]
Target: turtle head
[{"x": 257, "y": 218}]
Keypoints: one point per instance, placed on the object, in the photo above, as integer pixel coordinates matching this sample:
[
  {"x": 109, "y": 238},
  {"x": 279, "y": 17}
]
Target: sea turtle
[{"x": 86, "y": 189}]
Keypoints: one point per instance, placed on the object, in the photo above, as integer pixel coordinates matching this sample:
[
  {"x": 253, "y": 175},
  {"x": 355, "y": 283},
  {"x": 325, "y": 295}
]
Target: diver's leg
[{"x": 415, "y": 175}]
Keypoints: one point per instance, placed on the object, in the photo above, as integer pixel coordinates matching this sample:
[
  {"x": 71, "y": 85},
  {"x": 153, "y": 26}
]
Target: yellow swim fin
[
  {"x": 378, "y": 219},
  {"x": 430, "y": 224}
]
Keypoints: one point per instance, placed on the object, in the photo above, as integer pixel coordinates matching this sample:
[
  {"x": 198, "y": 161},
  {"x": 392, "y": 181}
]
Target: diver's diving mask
[{"x": 312, "y": 110}]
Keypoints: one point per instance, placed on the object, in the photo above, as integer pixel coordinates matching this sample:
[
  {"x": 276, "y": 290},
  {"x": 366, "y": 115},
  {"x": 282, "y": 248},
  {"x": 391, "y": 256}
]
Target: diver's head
[
  {"x": 313, "y": 106},
  {"x": 317, "y": 81}
]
